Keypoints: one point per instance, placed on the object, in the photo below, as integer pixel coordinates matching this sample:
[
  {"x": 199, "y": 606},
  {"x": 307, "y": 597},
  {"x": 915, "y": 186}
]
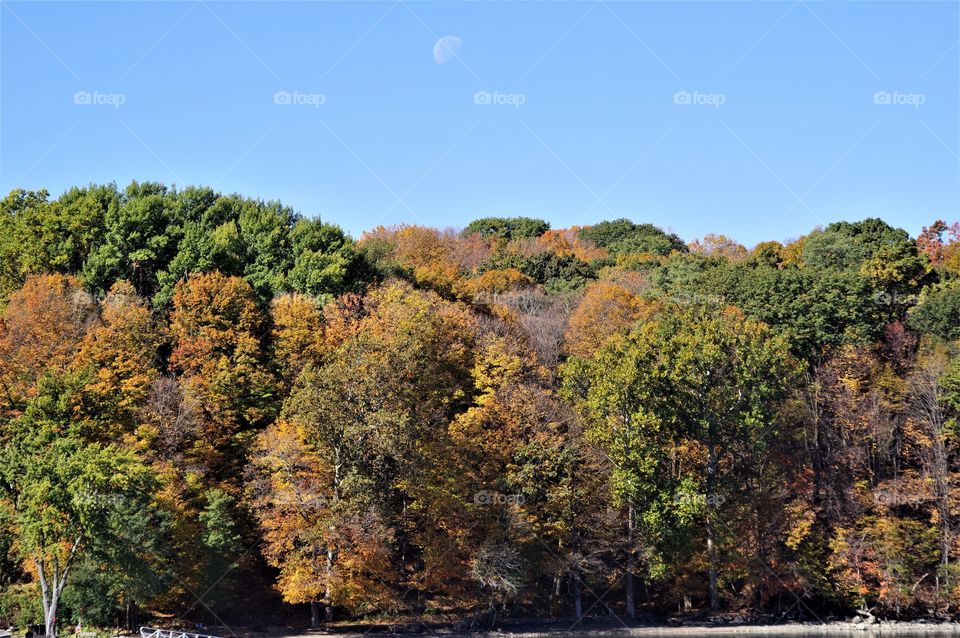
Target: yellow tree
[
  {"x": 297, "y": 333},
  {"x": 120, "y": 355},
  {"x": 41, "y": 329},
  {"x": 217, "y": 330},
  {"x": 289, "y": 497},
  {"x": 369, "y": 411},
  {"x": 605, "y": 309}
]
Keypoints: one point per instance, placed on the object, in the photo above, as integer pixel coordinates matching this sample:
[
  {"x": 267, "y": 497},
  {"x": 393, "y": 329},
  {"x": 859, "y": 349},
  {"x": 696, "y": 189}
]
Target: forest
[{"x": 217, "y": 410}]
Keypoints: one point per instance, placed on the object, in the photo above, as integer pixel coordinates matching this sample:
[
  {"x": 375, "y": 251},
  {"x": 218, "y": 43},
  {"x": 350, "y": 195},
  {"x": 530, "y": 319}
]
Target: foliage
[
  {"x": 622, "y": 236},
  {"x": 507, "y": 227},
  {"x": 72, "y": 499},
  {"x": 210, "y": 393},
  {"x": 939, "y": 313}
]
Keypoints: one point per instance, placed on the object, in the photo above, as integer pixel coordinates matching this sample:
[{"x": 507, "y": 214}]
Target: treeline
[{"x": 213, "y": 409}]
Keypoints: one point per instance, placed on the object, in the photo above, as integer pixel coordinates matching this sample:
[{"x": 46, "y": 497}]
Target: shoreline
[
  {"x": 792, "y": 629},
  {"x": 832, "y": 628}
]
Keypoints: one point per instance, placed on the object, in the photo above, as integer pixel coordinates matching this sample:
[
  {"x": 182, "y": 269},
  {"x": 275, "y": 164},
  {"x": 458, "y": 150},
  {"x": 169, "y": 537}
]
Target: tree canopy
[{"x": 203, "y": 392}]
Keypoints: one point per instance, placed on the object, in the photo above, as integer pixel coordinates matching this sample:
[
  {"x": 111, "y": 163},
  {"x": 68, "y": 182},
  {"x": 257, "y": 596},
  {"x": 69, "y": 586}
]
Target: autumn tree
[
  {"x": 712, "y": 244},
  {"x": 297, "y": 333},
  {"x": 605, "y": 309},
  {"x": 42, "y": 328},
  {"x": 289, "y": 496},
  {"x": 941, "y": 243},
  {"x": 71, "y": 498},
  {"x": 218, "y": 333},
  {"x": 367, "y": 412},
  {"x": 120, "y": 352},
  {"x": 709, "y": 377}
]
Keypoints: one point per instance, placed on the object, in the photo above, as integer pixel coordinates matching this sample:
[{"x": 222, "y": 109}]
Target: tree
[
  {"x": 938, "y": 313},
  {"x": 559, "y": 274},
  {"x": 265, "y": 233},
  {"x": 719, "y": 245},
  {"x": 941, "y": 243},
  {"x": 208, "y": 239},
  {"x": 622, "y": 236},
  {"x": 368, "y": 413},
  {"x": 325, "y": 261},
  {"x": 42, "y": 328},
  {"x": 604, "y": 389},
  {"x": 604, "y": 310},
  {"x": 420, "y": 255},
  {"x": 767, "y": 253},
  {"x": 217, "y": 329},
  {"x": 136, "y": 243},
  {"x": 297, "y": 334},
  {"x": 290, "y": 499},
  {"x": 507, "y": 227},
  {"x": 811, "y": 309},
  {"x": 43, "y": 236},
  {"x": 333, "y": 409},
  {"x": 498, "y": 484},
  {"x": 707, "y": 376},
  {"x": 930, "y": 410},
  {"x": 120, "y": 353},
  {"x": 490, "y": 285},
  {"x": 19, "y": 212},
  {"x": 70, "y": 498}
]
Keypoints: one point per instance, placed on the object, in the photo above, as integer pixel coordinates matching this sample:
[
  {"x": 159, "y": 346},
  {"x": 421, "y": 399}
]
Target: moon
[{"x": 446, "y": 49}]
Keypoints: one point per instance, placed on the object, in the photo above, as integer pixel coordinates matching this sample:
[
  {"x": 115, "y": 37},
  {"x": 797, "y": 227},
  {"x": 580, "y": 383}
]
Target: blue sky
[{"x": 759, "y": 120}]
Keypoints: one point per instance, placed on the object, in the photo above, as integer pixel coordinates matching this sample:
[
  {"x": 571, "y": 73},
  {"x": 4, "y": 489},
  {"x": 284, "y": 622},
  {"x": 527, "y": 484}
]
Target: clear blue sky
[{"x": 798, "y": 140}]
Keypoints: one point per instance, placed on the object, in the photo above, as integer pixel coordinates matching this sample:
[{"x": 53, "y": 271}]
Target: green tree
[
  {"x": 938, "y": 314},
  {"x": 703, "y": 375},
  {"x": 135, "y": 244},
  {"x": 507, "y": 227},
  {"x": 70, "y": 498},
  {"x": 325, "y": 262},
  {"x": 624, "y": 236}
]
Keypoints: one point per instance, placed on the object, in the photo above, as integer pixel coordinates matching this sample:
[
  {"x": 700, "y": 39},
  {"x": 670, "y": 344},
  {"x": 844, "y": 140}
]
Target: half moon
[{"x": 446, "y": 49}]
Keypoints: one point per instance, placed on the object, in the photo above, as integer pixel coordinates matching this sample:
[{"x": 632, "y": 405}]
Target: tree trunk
[
  {"x": 327, "y": 593},
  {"x": 631, "y": 563},
  {"x": 50, "y": 610},
  {"x": 52, "y": 590},
  {"x": 314, "y": 614},
  {"x": 44, "y": 593},
  {"x": 942, "y": 487},
  {"x": 711, "y": 503},
  {"x": 577, "y": 595},
  {"x": 331, "y": 548},
  {"x": 927, "y": 407}
]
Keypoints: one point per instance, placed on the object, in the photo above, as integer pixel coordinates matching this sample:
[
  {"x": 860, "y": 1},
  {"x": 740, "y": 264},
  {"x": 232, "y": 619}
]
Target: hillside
[{"x": 218, "y": 410}]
